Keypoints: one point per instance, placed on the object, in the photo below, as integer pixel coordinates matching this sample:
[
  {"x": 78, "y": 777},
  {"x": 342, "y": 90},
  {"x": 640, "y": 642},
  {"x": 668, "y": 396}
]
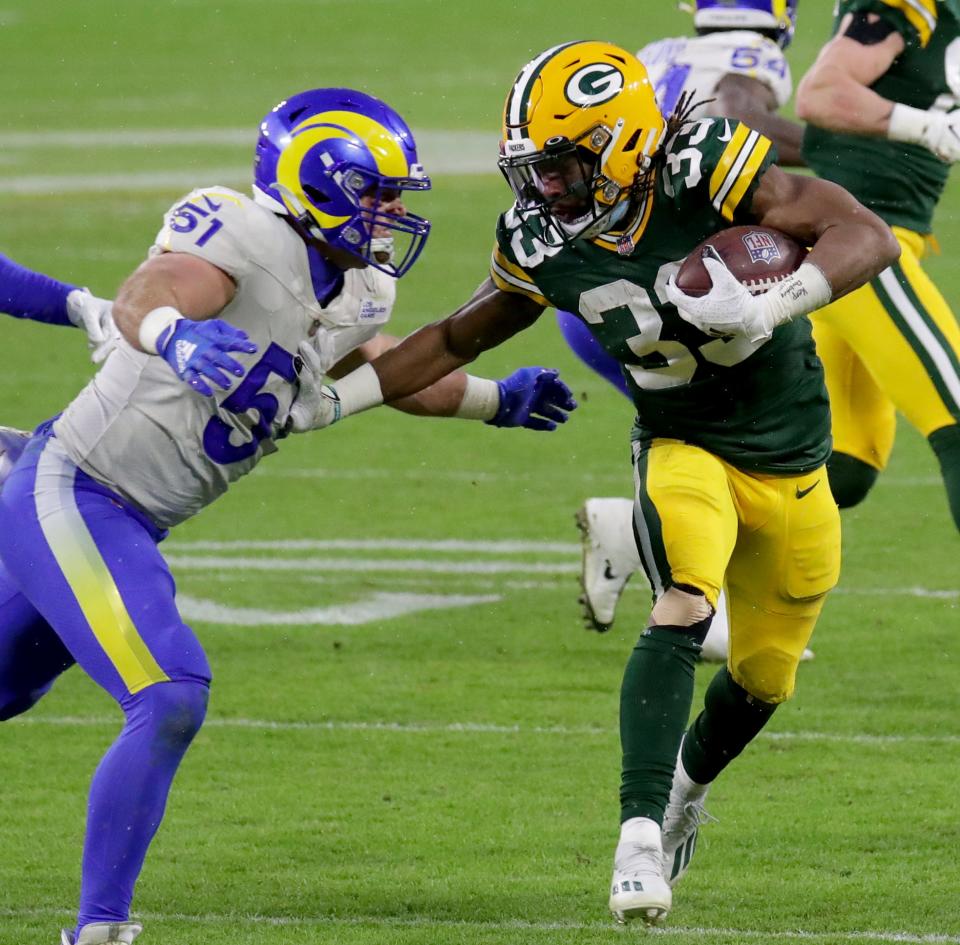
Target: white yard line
[
  {"x": 709, "y": 934},
  {"x": 366, "y": 565},
  {"x": 181, "y": 555},
  {"x": 480, "y": 546},
  {"x": 484, "y": 728},
  {"x": 441, "y": 152},
  {"x": 381, "y": 605}
]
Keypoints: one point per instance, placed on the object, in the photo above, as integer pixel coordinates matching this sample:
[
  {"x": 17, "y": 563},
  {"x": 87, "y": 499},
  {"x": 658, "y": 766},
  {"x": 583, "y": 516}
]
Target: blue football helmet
[
  {"x": 777, "y": 16},
  {"x": 320, "y": 153}
]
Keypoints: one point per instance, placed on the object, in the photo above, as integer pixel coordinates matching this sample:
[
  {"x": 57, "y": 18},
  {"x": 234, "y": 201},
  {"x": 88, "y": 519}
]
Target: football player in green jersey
[
  {"x": 732, "y": 427},
  {"x": 883, "y": 96}
]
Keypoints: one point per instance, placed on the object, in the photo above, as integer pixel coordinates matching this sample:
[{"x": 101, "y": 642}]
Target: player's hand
[
  {"x": 316, "y": 405},
  {"x": 533, "y": 397},
  {"x": 942, "y": 135},
  {"x": 95, "y": 317},
  {"x": 197, "y": 352},
  {"x": 727, "y": 309}
]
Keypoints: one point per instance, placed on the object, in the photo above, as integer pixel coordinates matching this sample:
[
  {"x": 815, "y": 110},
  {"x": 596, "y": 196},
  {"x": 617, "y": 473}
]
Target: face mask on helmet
[
  {"x": 777, "y": 17},
  {"x": 339, "y": 163},
  {"x": 580, "y": 127}
]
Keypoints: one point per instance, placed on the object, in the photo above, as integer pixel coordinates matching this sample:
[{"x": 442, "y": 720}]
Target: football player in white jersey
[
  {"x": 734, "y": 67},
  {"x": 197, "y": 390}
]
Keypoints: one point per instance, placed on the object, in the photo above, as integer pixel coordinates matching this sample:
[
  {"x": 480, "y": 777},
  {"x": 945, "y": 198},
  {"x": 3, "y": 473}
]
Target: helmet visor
[
  {"x": 558, "y": 180},
  {"x": 381, "y": 231}
]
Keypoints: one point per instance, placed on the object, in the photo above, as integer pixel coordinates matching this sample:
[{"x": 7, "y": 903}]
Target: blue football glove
[
  {"x": 535, "y": 398},
  {"x": 197, "y": 352}
]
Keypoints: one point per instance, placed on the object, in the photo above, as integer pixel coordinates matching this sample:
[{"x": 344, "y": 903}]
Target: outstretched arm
[
  {"x": 435, "y": 352},
  {"x": 489, "y": 318},
  {"x": 25, "y": 293}
]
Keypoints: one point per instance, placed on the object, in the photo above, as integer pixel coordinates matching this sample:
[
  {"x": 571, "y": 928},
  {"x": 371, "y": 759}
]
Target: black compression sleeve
[{"x": 868, "y": 32}]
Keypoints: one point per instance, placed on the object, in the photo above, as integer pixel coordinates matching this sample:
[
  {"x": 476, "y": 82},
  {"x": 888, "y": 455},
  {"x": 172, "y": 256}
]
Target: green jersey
[
  {"x": 900, "y": 182},
  {"x": 761, "y": 406}
]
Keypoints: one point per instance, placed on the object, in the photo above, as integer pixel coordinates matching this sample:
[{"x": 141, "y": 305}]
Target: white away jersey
[
  {"x": 698, "y": 63},
  {"x": 141, "y": 431}
]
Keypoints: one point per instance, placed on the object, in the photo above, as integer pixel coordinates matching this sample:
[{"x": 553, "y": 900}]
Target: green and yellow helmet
[{"x": 584, "y": 114}]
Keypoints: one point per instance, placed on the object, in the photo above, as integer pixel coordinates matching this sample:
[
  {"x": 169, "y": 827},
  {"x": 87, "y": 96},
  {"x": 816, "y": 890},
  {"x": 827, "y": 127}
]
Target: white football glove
[
  {"x": 935, "y": 129},
  {"x": 95, "y": 317},
  {"x": 316, "y": 405},
  {"x": 729, "y": 308}
]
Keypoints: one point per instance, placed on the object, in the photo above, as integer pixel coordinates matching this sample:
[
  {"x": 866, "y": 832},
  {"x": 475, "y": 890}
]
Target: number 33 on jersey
[{"x": 685, "y": 385}]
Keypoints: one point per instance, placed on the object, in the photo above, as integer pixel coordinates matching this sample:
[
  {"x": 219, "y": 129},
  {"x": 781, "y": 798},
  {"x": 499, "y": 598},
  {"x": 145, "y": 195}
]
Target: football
[{"x": 758, "y": 256}]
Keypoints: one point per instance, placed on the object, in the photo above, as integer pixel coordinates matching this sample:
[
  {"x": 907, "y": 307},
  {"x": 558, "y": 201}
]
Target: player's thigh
[
  {"x": 786, "y": 559},
  {"x": 684, "y": 517},
  {"x": 91, "y": 567},
  {"x": 908, "y": 338},
  {"x": 863, "y": 418},
  {"x": 31, "y": 654}
]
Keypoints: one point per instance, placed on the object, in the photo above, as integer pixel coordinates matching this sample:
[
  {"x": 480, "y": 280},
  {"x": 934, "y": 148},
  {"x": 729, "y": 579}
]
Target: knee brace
[
  {"x": 945, "y": 442},
  {"x": 850, "y": 479}
]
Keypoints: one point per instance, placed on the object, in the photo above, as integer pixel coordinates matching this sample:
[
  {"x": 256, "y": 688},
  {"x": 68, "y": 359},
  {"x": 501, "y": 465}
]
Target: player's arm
[
  {"x": 438, "y": 400},
  {"x": 168, "y": 307},
  {"x": 488, "y": 319},
  {"x": 850, "y": 245},
  {"x": 25, "y": 293},
  {"x": 524, "y": 398},
  {"x": 754, "y": 103},
  {"x": 835, "y": 93}
]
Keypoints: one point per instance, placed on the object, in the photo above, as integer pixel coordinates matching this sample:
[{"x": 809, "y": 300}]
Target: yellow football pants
[
  {"x": 774, "y": 541},
  {"x": 893, "y": 344}
]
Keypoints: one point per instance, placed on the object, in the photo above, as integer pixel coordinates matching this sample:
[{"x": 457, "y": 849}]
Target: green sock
[
  {"x": 655, "y": 701},
  {"x": 946, "y": 444},
  {"x": 730, "y": 719}
]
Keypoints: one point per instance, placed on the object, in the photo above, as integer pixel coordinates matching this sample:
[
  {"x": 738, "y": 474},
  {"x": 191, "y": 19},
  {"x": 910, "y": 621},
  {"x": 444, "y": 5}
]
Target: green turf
[{"x": 448, "y": 776}]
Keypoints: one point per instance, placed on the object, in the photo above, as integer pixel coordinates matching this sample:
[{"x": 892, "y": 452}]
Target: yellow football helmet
[{"x": 580, "y": 128}]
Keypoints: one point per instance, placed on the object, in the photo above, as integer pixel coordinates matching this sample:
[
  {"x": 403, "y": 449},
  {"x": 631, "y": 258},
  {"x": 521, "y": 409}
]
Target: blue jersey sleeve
[{"x": 32, "y": 295}]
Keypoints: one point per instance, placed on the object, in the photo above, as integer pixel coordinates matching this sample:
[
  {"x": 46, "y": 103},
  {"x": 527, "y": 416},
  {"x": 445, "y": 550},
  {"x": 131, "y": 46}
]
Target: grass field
[{"x": 410, "y": 738}]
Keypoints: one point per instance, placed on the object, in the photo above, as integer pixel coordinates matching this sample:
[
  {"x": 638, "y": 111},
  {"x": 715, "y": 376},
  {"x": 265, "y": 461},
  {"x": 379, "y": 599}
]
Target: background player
[
  {"x": 882, "y": 95},
  {"x": 191, "y": 399},
  {"x": 731, "y": 433},
  {"x": 26, "y": 293},
  {"x": 734, "y": 67}
]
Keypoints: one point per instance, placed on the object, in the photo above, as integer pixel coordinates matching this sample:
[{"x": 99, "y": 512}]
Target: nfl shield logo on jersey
[{"x": 761, "y": 246}]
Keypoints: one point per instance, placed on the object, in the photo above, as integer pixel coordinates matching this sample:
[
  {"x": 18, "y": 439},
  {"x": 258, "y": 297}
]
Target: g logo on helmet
[{"x": 594, "y": 84}]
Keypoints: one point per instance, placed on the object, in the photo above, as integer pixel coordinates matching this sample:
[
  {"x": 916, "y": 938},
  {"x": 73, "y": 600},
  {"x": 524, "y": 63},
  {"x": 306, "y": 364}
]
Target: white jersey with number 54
[
  {"x": 698, "y": 63},
  {"x": 141, "y": 431}
]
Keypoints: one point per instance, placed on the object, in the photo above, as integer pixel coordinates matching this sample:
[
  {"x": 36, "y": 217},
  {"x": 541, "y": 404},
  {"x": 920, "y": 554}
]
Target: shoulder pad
[
  {"x": 719, "y": 160},
  {"x": 220, "y": 225}
]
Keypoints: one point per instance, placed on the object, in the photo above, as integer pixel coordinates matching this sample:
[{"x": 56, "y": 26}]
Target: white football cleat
[
  {"x": 610, "y": 558},
  {"x": 103, "y": 933},
  {"x": 638, "y": 889},
  {"x": 682, "y": 820}
]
